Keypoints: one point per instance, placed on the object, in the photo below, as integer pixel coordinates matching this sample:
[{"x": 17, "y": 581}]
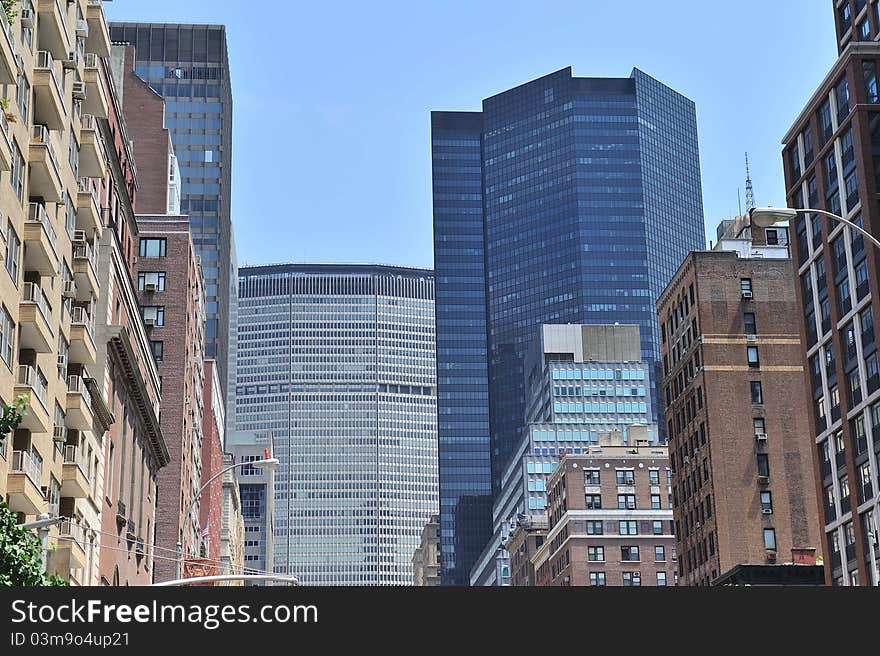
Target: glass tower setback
[
  {"x": 188, "y": 65},
  {"x": 462, "y": 367},
  {"x": 338, "y": 363},
  {"x": 590, "y": 197}
]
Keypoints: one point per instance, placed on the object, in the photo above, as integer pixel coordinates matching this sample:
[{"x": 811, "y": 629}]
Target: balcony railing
[
  {"x": 80, "y": 316},
  {"x": 45, "y": 62},
  {"x": 76, "y": 384},
  {"x": 40, "y": 135},
  {"x": 33, "y": 294},
  {"x": 70, "y": 529},
  {"x": 37, "y": 214},
  {"x": 28, "y": 376},
  {"x": 85, "y": 252},
  {"x": 73, "y": 455},
  {"x": 23, "y": 462},
  {"x": 88, "y": 122}
]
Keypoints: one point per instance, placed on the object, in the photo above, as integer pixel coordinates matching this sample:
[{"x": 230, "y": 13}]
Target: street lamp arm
[
  {"x": 290, "y": 580},
  {"x": 267, "y": 462},
  {"x": 198, "y": 494},
  {"x": 844, "y": 221}
]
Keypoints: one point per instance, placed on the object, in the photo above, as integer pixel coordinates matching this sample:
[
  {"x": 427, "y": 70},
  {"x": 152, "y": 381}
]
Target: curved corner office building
[{"x": 338, "y": 361}]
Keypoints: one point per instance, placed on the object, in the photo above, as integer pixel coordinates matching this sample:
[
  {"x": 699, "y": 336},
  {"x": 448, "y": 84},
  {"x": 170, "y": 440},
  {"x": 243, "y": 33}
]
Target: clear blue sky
[{"x": 333, "y": 99}]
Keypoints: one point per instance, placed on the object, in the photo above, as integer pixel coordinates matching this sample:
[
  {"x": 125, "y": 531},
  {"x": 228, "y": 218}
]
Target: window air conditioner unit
[
  {"x": 62, "y": 360},
  {"x": 149, "y": 323},
  {"x": 27, "y": 17},
  {"x": 150, "y": 287},
  {"x": 747, "y": 295},
  {"x": 68, "y": 289},
  {"x": 79, "y": 236},
  {"x": 764, "y": 480},
  {"x": 761, "y": 437},
  {"x": 766, "y": 511},
  {"x": 59, "y": 434},
  {"x": 79, "y": 90},
  {"x": 82, "y": 28},
  {"x": 751, "y": 338},
  {"x": 71, "y": 61}
]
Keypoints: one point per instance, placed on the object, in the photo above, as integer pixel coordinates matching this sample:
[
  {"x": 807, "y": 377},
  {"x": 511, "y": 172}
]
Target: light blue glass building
[
  {"x": 565, "y": 200},
  {"x": 582, "y": 382}
]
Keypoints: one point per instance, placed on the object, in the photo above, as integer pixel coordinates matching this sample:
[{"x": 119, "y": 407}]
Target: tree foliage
[
  {"x": 20, "y": 558},
  {"x": 9, "y": 10},
  {"x": 12, "y": 417}
]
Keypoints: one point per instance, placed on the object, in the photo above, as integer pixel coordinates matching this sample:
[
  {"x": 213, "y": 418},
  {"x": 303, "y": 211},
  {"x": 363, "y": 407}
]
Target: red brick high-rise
[
  {"x": 211, "y": 502},
  {"x": 832, "y": 162}
]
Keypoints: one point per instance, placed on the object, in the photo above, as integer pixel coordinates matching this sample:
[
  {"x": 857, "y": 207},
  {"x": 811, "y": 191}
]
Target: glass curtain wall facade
[
  {"x": 585, "y": 196},
  {"x": 188, "y": 65},
  {"x": 338, "y": 362}
]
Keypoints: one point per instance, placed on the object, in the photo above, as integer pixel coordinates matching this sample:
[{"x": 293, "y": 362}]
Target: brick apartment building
[
  {"x": 832, "y": 163},
  {"x": 742, "y": 483},
  {"x": 609, "y": 517},
  {"x": 170, "y": 295},
  {"x": 523, "y": 543},
  {"x": 135, "y": 449},
  {"x": 211, "y": 501}
]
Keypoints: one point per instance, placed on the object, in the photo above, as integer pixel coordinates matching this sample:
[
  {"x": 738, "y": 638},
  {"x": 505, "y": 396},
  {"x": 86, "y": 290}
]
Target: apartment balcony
[
  {"x": 8, "y": 65},
  {"x": 23, "y": 491},
  {"x": 40, "y": 253},
  {"x": 35, "y": 321},
  {"x": 78, "y": 412},
  {"x": 98, "y": 39},
  {"x": 82, "y": 341},
  {"x": 70, "y": 550},
  {"x": 53, "y": 35},
  {"x": 48, "y": 92},
  {"x": 85, "y": 272},
  {"x": 5, "y": 144},
  {"x": 91, "y": 155},
  {"x": 95, "y": 102},
  {"x": 29, "y": 381},
  {"x": 45, "y": 177},
  {"x": 75, "y": 478},
  {"x": 88, "y": 208}
]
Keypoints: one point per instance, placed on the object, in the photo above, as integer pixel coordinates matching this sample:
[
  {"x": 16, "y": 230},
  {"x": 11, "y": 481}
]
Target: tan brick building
[
  {"x": 732, "y": 362},
  {"x": 609, "y": 517},
  {"x": 65, "y": 187}
]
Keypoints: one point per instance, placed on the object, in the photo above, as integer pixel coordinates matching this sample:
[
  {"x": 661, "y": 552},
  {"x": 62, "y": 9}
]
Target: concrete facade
[
  {"x": 426, "y": 559},
  {"x": 257, "y": 492}
]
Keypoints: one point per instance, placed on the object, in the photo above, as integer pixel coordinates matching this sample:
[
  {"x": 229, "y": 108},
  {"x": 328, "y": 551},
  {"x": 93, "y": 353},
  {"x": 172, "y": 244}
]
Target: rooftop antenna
[
  {"x": 739, "y": 202},
  {"x": 750, "y": 190}
]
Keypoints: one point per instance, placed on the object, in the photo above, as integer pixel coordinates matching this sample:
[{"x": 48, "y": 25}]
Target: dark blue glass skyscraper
[{"x": 566, "y": 200}]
